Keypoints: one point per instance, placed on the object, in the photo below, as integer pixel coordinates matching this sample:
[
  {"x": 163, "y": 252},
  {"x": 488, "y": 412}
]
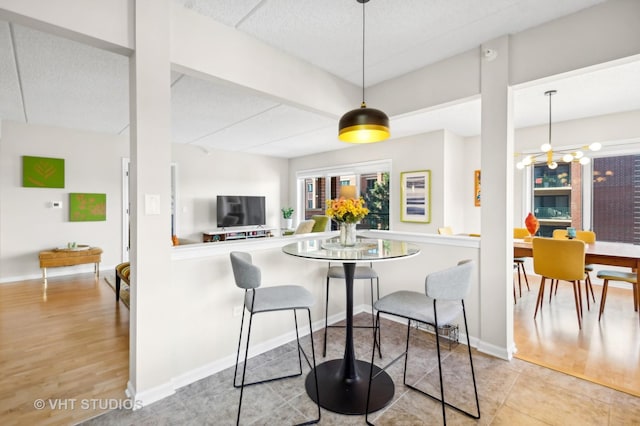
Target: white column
[
  {"x": 150, "y": 350},
  {"x": 496, "y": 299}
]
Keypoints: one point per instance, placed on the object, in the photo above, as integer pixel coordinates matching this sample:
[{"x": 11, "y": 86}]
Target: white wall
[
  {"x": 455, "y": 180},
  {"x": 28, "y": 224},
  {"x": 420, "y": 152},
  {"x": 93, "y": 163},
  {"x": 202, "y": 176},
  {"x": 471, "y": 161}
]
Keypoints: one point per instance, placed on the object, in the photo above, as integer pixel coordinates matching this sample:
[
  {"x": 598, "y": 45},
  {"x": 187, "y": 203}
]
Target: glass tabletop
[{"x": 365, "y": 250}]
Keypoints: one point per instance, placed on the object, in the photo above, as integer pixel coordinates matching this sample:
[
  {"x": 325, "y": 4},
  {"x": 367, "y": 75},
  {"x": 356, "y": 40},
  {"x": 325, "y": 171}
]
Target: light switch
[
  {"x": 56, "y": 204},
  {"x": 151, "y": 204}
]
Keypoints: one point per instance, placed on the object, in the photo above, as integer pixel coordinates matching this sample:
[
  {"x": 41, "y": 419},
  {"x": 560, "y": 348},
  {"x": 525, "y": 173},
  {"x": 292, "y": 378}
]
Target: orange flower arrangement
[{"x": 348, "y": 210}]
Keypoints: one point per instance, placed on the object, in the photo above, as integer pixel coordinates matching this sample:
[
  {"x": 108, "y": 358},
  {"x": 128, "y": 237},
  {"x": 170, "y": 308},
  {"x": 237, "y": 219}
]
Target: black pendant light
[{"x": 363, "y": 125}]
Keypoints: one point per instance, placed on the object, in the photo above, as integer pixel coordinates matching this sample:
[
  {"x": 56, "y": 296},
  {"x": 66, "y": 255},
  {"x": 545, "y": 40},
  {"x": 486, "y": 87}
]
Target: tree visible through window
[{"x": 377, "y": 199}]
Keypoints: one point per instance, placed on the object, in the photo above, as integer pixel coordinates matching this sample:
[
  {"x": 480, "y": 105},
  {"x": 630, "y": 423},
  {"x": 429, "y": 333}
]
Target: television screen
[{"x": 240, "y": 210}]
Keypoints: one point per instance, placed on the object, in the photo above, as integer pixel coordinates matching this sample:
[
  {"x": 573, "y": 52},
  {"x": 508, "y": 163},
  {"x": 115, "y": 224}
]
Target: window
[
  {"x": 371, "y": 180},
  {"x": 615, "y": 186},
  {"x": 557, "y": 197},
  {"x": 603, "y": 203}
]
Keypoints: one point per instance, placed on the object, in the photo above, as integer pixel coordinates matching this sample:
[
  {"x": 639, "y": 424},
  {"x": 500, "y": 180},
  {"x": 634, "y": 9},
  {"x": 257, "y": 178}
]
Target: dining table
[
  {"x": 599, "y": 253},
  {"x": 343, "y": 383}
]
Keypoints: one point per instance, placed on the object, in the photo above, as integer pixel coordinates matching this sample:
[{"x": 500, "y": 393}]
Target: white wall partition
[{"x": 205, "y": 335}]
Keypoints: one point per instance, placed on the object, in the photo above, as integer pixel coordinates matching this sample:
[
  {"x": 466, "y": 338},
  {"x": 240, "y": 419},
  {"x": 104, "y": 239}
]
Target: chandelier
[{"x": 551, "y": 156}]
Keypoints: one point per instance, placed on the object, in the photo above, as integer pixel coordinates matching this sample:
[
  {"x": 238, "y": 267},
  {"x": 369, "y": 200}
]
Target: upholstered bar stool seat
[{"x": 278, "y": 298}]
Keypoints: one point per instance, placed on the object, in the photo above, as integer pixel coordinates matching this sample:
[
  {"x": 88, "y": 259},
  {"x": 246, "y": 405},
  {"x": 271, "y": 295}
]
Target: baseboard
[
  {"x": 61, "y": 271},
  {"x": 149, "y": 396},
  {"x": 496, "y": 351}
]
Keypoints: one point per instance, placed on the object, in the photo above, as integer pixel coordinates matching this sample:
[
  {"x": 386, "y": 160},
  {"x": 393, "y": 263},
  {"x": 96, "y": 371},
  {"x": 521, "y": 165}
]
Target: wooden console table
[{"x": 70, "y": 257}]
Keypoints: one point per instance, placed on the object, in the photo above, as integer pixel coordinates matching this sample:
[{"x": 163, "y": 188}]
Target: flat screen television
[{"x": 240, "y": 210}]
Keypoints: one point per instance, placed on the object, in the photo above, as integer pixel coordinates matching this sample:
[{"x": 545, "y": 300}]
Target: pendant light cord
[
  {"x": 363, "y": 48},
  {"x": 550, "y": 94}
]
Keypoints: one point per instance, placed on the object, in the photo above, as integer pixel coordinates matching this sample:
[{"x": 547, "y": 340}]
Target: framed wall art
[
  {"x": 87, "y": 207},
  {"x": 415, "y": 194},
  {"x": 42, "y": 172},
  {"x": 476, "y": 188}
]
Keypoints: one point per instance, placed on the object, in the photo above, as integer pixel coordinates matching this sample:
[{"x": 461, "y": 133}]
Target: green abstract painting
[
  {"x": 87, "y": 207},
  {"x": 42, "y": 172}
]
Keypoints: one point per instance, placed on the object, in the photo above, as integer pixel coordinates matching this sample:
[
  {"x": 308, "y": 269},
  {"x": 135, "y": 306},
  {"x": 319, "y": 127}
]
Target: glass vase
[{"x": 347, "y": 234}]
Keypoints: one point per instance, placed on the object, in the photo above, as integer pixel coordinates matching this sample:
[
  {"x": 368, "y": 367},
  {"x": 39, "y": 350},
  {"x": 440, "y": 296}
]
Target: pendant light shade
[{"x": 363, "y": 125}]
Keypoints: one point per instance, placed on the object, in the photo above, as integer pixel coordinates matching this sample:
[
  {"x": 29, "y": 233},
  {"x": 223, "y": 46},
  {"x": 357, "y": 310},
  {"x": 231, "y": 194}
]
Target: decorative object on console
[
  {"x": 363, "y": 125},
  {"x": 532, "y": 225},
  {"x": 566, "y": 155},
  {"x": 85, "y": 207},
  {"x": 42, "y": 172},
  {"x": 415, "y": 189},
  {"x": 287, "y": 220}
]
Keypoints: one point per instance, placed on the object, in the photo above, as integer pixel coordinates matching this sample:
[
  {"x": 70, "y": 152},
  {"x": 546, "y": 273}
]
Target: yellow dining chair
[
  {"x": 628, "y": 277},
  {"x": 589, "y": 237},
  {"x": 561, "y": 260},
  {"x": 520, "y": 233}
]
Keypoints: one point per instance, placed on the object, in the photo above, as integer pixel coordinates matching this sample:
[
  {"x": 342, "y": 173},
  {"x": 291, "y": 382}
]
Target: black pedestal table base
[{"x": 349, "y": 396}]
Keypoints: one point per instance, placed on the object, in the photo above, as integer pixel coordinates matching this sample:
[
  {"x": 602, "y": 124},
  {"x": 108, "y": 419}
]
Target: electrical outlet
[{"x": 237, "y": 311}]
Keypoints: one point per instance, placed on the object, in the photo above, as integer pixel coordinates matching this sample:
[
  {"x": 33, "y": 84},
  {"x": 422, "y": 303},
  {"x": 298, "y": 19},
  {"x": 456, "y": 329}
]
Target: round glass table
[{"x": 342, "y": 383}]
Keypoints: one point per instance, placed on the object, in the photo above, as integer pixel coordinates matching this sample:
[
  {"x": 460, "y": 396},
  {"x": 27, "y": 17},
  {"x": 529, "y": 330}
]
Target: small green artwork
[
  {"x": 42, "y": 172},
  {"x": 87, "y": 207}
]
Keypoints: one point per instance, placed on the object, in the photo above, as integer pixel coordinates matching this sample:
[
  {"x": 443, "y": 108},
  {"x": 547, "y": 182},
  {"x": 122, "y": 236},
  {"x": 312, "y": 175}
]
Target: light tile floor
[{"x": 511, "y": 392}]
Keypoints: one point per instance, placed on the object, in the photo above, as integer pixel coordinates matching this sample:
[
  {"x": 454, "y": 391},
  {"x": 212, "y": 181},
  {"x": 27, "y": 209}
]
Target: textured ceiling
[{"x": 53, "y": 81}]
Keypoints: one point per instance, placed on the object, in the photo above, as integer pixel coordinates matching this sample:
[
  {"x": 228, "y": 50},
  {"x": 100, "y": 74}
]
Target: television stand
[{"x": 225, "y": 235}]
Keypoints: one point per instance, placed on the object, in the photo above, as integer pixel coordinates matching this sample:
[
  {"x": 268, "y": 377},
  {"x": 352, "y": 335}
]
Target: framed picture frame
[
  {"x": 476, "y": 188},
  {"x": 42, "y": 172},
  {"x": 85, "y": 207},
  {"x": 415, "y": 193}
]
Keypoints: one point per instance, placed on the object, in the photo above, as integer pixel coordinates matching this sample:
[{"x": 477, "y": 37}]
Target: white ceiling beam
[
  {"x": 200, "y": 46},
  {"x": 106, "y": 24}
]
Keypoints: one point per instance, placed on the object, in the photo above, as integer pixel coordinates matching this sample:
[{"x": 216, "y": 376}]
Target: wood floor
[
  {"x": 65, "y": 346},
  {"x": 606, "y": 352}
]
